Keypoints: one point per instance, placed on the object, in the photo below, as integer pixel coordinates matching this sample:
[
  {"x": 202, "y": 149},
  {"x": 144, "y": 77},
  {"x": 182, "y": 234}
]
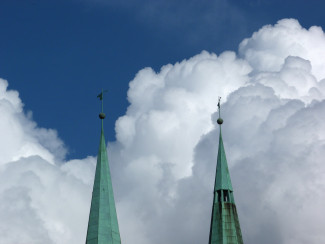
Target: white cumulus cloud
[
  {"x": 42, "y": 200},
  {"x": 163, "y": 161}
]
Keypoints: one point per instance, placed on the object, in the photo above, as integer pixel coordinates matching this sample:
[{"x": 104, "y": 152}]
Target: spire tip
[
  {"x": 100, "y": 96},
  {"x": 220, "y": 120}
]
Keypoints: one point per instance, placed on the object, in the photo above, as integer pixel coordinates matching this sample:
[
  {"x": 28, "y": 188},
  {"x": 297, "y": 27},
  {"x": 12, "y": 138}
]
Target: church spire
[
  {"x": 102, "y": 225},
  {"x": 224, "y": 228}
]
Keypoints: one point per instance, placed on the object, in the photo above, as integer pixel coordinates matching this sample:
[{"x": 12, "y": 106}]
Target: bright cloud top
[{"x": 163, "y": 162}]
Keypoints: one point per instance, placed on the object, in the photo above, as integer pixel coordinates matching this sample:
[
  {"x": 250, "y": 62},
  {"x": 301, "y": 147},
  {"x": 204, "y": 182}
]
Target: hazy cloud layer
[{"x": 163, "y": 162}]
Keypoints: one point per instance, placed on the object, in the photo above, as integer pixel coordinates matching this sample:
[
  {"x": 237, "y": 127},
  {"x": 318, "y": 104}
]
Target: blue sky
[{"x": 59, "y": 54}]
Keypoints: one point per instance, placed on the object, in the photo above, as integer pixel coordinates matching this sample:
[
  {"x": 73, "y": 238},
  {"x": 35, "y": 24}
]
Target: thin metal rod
[
  {"x": 219, "y": 106},
  {"x": 102, "y": 101}
]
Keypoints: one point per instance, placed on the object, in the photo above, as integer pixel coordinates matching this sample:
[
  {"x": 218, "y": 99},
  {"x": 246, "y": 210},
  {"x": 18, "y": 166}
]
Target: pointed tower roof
[
  {"x": 102, "y": 225},
  {"x": 224, "y": 228},
  {"x": 223, "y": 181}
]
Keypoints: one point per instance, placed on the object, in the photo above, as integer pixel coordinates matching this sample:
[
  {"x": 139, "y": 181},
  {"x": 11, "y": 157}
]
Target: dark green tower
[
  {"x": 102, "y": 224},
  {"x": 224, "y": 228}
]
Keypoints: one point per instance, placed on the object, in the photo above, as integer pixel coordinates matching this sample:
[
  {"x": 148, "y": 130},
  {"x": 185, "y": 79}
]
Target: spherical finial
[
  {"x": 220, "y": 121},
  {"x": 102, "y": 116}
]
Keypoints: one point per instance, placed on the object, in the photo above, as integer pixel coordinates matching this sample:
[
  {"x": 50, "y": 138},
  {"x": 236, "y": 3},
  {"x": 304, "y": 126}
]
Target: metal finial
[
  {"x": 101, "y": 96},
  {"x": 220, "y": 120}
]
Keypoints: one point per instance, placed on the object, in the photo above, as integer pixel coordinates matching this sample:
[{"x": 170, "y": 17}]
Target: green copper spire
[
  {"x": 102, "y": 224},
  {"x": 224, "y": 228}
]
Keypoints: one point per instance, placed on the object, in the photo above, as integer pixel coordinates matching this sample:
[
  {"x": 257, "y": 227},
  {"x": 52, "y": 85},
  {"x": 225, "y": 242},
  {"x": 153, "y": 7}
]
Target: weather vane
[
  {"x": 101, "y": 96},
  {"x": 220, "y": 120},
  {"x": 219, "y": 98}
]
